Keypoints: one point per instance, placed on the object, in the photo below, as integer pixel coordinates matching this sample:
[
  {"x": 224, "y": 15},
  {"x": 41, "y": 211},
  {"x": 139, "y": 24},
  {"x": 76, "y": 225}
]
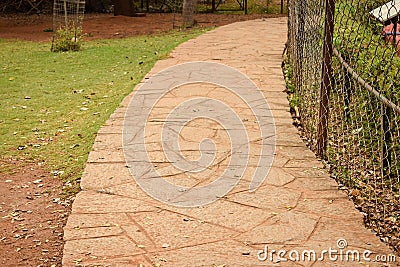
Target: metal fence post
[
  {"x": 300, "y": 12},
  {"x": 322, "y": 134},
  {"x": 386, "y": 140},
  {"x": 290, "y": 37}
]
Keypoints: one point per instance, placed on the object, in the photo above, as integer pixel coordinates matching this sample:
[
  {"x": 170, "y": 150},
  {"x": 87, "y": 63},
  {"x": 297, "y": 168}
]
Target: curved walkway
[{"x": 298, "y": 208}]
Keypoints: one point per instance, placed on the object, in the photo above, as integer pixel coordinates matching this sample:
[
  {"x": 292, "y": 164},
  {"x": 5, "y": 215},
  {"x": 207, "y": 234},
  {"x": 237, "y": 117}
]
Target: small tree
[
  {"x": 189, "y": 6},
  {"x": 67, "y": 25}
]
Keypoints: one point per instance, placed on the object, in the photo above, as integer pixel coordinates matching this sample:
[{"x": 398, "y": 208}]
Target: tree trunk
[
  {"x": 124, "y": 8},
  {"x": 188, "y": 9}
]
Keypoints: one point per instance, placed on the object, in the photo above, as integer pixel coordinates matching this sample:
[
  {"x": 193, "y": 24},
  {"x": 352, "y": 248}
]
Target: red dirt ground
[
  {"x": 32, "y": 214},
  {"x": 99, "y": 26}
]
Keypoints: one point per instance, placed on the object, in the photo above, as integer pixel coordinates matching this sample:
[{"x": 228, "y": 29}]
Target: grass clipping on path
[{"x": 53, "y": 104}]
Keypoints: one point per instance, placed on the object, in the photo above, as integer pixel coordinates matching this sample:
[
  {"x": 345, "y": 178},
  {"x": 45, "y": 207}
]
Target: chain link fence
[
  {"x": 344, "y": 59},
  {"x": 25, "y": 6}
]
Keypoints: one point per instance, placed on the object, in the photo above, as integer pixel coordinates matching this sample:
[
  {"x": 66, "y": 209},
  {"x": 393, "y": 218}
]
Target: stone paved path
[{"x": 298, "y": 207}]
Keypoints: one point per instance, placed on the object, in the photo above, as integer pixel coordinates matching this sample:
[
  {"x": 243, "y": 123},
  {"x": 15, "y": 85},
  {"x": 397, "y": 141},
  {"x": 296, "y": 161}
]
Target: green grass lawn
[{"x": 52, "y": 104}]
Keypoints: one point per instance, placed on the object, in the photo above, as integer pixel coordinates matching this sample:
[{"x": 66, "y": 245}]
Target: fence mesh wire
[
  {"x": 67, "y": 24},
  {"x": 363, "y": 132}
]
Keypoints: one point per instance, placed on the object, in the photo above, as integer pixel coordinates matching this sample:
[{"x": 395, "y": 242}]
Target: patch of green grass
[
  {"x": 293, "y": 97},
  {"x": 52, "y": 104},
  {"x": 67, "y": 39}
]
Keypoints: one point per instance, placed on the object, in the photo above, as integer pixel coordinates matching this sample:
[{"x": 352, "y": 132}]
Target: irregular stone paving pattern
[{"x": 298, "y": 207}]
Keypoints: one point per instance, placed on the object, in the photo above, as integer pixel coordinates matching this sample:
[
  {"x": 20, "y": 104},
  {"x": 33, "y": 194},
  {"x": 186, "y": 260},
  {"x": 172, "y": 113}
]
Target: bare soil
[
  {"x": 100, "y": 26},
  {"x": 32, "y": 216}
]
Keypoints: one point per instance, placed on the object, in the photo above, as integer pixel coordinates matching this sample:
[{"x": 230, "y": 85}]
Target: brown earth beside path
[
  {"x": 100, "y": 26},
  {"x": 32, "y": 216}
]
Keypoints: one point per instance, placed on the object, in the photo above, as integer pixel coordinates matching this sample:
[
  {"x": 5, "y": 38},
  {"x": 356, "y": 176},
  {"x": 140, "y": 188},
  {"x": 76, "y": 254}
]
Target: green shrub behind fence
[{"x": 363, "y": 129}]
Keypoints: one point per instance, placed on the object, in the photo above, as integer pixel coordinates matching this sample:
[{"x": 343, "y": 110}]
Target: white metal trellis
[{"x": 67, "y": 16}]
